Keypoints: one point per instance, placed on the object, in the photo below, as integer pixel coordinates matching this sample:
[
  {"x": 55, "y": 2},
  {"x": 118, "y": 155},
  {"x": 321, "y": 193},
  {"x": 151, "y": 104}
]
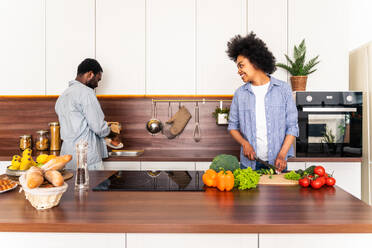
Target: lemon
[{"x": 42, "y": 159}]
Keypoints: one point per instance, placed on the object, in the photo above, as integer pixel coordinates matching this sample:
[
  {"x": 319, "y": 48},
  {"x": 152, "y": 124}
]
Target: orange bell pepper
[
  {"x": 225, "y": 180},
  {"x": 210, "y": 178}
]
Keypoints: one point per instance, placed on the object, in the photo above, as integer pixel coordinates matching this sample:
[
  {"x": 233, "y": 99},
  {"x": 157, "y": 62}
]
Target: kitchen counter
[
  {"x": 193, "y": 156},
  {"x": 266, "y": 209}
]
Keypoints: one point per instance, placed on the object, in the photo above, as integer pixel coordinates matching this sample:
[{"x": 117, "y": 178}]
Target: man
[
  {"x": 263, "y": 114},
  {"x": 81, "y": 117}
]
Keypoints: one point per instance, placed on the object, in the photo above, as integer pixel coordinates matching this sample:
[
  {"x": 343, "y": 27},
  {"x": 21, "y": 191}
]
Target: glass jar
[
  {"x": 82, "y": 176},
  {"x": 42, "y": 141},
  {"x": 55, "y": 139},
  {"x": 25, "y": 142}
]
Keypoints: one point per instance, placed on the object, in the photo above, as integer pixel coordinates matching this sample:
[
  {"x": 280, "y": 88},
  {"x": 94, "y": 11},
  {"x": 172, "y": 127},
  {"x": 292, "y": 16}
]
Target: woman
[{"x": 263, "y": 114}]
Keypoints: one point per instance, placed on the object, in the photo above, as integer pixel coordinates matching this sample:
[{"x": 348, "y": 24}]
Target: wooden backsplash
[{"x": 27, "y": 114}]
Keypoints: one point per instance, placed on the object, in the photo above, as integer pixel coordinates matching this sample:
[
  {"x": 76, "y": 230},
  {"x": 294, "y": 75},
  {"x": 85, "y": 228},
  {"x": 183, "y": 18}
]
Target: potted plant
[
  {"x": 298, "y": 68},
  {"x": 221, "y": 115}
]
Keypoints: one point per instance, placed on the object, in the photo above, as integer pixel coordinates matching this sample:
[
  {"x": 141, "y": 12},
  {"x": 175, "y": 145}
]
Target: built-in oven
[{"x": 330, "y": 124}]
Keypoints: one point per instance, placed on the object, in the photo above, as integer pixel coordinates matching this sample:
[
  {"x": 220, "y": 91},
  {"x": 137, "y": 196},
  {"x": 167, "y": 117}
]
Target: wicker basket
[{"x": 43, "y": 198}]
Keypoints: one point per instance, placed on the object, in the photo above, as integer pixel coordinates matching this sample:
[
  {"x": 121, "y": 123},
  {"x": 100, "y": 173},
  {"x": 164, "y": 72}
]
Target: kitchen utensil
[
  {"x": 154, "y": 126},
  {"x": 267, "y": 164},
  {"x": 126, "y": 153},
  {"x": 197, "y": 134},
  {"x": 167, "y": 126},
  {"x": 276, "y": 180}
]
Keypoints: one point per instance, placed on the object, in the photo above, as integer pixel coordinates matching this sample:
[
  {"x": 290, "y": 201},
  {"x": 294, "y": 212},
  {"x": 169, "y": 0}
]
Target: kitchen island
[{"x": 139, "y": 219}]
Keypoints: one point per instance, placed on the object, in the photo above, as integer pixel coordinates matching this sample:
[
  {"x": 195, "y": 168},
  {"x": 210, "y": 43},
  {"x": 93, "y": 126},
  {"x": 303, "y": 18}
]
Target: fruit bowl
[
  {"x": 14, "y": 173},
  {"x": 42, "y": 198}
]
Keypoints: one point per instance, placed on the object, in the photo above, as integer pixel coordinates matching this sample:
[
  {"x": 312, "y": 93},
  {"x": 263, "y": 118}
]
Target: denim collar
[{"x": 273, "y": 81}]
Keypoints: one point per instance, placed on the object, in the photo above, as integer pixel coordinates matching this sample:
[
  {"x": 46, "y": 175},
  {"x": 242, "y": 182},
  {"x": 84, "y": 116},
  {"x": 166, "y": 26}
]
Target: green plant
[
  {"x": 221, "y": 111},
  {"x": 328, "y": 136},
  {"x": 297, "y": 66}
]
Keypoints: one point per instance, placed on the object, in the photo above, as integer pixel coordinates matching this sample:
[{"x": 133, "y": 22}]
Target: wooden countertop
[{"x": 267, "y": 209}]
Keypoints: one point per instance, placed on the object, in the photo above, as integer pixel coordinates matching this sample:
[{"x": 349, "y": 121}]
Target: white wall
[
  {"x": 360, "y": 23},
  {"x": 161, "y": 46}
]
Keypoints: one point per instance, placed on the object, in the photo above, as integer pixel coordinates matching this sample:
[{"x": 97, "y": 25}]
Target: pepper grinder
[{"x": 82, "y": 175}]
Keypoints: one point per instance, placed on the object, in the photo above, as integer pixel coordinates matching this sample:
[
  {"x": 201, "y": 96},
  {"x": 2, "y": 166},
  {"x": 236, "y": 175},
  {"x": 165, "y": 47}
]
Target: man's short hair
[{"x": 89, "y": 65}]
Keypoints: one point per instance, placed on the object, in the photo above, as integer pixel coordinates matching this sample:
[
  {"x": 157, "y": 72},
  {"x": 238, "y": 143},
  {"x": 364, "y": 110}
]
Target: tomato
[
  {"x": 304, "y": 182},
  {"x": 319, "y": 170},
  {"x": 323, "y": 180},
  {"x": 316, "y": 184},
  {"x": 310, "y": 177},
  {"x": 330, "y": 181}
]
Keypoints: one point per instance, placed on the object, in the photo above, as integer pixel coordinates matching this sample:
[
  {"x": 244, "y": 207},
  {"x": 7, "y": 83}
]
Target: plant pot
[
  {"x": 298, "y": 83},
  {"x": 222, "y": 119}
]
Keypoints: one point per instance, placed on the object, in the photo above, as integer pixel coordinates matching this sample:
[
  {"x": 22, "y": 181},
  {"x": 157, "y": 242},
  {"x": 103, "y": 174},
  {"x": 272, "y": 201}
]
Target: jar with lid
[
  {"x": 42, "y": 141},
  {"x": 24, "y": 142},
  {"x": 55, "y": 140}
]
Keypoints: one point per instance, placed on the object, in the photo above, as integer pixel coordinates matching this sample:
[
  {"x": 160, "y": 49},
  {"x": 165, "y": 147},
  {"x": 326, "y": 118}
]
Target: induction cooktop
[{"x": 153, "y": 181}]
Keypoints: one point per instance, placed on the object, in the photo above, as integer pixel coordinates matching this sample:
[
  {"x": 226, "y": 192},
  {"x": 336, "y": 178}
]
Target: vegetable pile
[{"x": 316, "y": 177}]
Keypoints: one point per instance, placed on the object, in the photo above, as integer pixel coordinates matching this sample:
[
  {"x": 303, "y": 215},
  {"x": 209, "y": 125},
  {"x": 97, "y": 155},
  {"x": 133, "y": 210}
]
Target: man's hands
[
  {"x": 280, "y": 162},
  {"x": 248, "y": 150}
]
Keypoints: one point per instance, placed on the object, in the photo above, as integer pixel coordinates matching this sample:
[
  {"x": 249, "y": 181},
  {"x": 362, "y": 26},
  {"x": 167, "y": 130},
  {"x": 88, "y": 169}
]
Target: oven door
[{"x": 329, "y": 132}]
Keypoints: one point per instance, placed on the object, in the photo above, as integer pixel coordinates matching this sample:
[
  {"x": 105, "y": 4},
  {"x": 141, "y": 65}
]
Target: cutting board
[{"x": 276, "y": 180}]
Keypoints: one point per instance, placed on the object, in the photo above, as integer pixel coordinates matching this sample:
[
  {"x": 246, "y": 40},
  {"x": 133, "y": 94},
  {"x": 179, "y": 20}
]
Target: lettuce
[{"x": 246, "y": 178}]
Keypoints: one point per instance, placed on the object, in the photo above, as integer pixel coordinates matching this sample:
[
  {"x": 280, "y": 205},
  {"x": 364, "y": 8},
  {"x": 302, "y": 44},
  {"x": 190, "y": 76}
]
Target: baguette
[
  {"x": 57, "y": 163},
  {"x": 54, "y": 177},
  {"x": 34, "y": 177}
]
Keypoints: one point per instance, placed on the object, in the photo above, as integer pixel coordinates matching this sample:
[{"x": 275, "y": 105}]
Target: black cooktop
[{"x": 153, "y": 181}]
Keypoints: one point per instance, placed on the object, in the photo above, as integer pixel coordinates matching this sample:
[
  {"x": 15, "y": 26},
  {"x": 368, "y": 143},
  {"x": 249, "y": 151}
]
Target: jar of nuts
[
  {"x": 42, "y": 141},
  {"x": 24, "y": 142}
]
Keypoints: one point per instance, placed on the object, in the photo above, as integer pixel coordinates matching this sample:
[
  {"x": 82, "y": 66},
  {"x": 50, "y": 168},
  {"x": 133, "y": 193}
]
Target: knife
[{"x": 267, "y": 164}]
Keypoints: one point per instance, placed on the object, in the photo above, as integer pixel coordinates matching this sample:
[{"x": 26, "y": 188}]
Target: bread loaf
[
  {"x": 34, "y": 177},
  {"x": 57, "y": 163},
  {"x": 54, "y": 177}
]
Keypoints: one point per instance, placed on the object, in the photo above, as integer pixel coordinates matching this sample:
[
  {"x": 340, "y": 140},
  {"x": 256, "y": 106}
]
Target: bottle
[
  {"x": 24, "y": 142},
  {"x": 82, "y": 176},
  {"x": 42, "y": 141},
  {"x": 55, "y": 140}
]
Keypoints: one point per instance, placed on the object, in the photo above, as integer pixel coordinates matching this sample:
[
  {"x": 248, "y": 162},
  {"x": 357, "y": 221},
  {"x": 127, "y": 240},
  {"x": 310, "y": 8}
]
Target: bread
[
  {"x": 34, "y": 177},
  {"x": 54, "y": 177},
  {"x": 57, "y": 163}
]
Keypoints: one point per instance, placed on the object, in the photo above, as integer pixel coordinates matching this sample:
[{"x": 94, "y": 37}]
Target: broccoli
[{"x": 225, "y": 162}]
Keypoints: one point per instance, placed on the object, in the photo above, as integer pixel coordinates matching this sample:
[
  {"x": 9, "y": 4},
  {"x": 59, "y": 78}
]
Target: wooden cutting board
[{"x": 276, "y": 180}]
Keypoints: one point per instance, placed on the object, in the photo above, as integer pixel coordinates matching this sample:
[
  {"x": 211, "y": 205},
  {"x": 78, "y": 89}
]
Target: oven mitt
[{"x": 179, "y": 121}]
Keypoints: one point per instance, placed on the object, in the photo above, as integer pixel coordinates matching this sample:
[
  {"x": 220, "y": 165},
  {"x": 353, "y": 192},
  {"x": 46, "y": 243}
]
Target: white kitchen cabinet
[
  {"x": 142, "y": 240},
  {"x": 202, "y": 166},
  {"x": 120, "y": 46},
  {"x": 22, "y": 47},
  {"x": 348, "y": 175},
  {"x": 188, "y": 166},
  {"x": 295, "y": 165},
  {"x": 120, "y": 165},
  {"x": 62, "y": 240},
  {"x": 268, "y": 19},
  {"x": 322, "y": 24},
  {"x": 216, "y": 23},
  {"x": 340, "y": 240},
  {"x": 170, "y": 47},
  {"x": 70, "y": 38}
]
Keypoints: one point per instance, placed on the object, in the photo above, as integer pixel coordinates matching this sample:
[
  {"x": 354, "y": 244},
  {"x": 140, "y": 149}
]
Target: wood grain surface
[
  {"x": 276, "y": 180},
  {"x": 266, "y": 209}
]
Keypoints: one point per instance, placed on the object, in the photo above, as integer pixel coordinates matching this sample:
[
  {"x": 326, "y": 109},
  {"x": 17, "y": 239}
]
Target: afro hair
[{"x": 254, "y": 49}]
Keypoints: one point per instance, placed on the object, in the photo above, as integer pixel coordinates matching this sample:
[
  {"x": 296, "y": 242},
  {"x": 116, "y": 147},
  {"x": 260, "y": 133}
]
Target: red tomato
[
  {"x": 304, "y": 182},
  {"x": 330, "y": 181},
  {"x": 316, "y": 184},
  {"x": 319, "y": 170},
  {"x": 323, "y": 180}
]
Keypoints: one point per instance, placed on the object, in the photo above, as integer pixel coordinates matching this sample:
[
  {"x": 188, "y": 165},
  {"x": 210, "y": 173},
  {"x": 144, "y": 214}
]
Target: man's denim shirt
[{"x": 281, "y": 118}]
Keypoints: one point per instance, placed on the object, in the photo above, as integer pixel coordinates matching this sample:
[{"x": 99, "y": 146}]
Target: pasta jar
[
  {"x": 55, "y": 140},
  {"x": 42, "y": 141},
  {"x": 24, "y": 142}
]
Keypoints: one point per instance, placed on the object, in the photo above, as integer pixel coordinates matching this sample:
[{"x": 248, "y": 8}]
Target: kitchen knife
[{"x": 267, "y": 164}]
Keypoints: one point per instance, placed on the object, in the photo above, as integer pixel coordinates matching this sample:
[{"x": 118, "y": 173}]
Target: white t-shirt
[{"x": 261, "y": 132}]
